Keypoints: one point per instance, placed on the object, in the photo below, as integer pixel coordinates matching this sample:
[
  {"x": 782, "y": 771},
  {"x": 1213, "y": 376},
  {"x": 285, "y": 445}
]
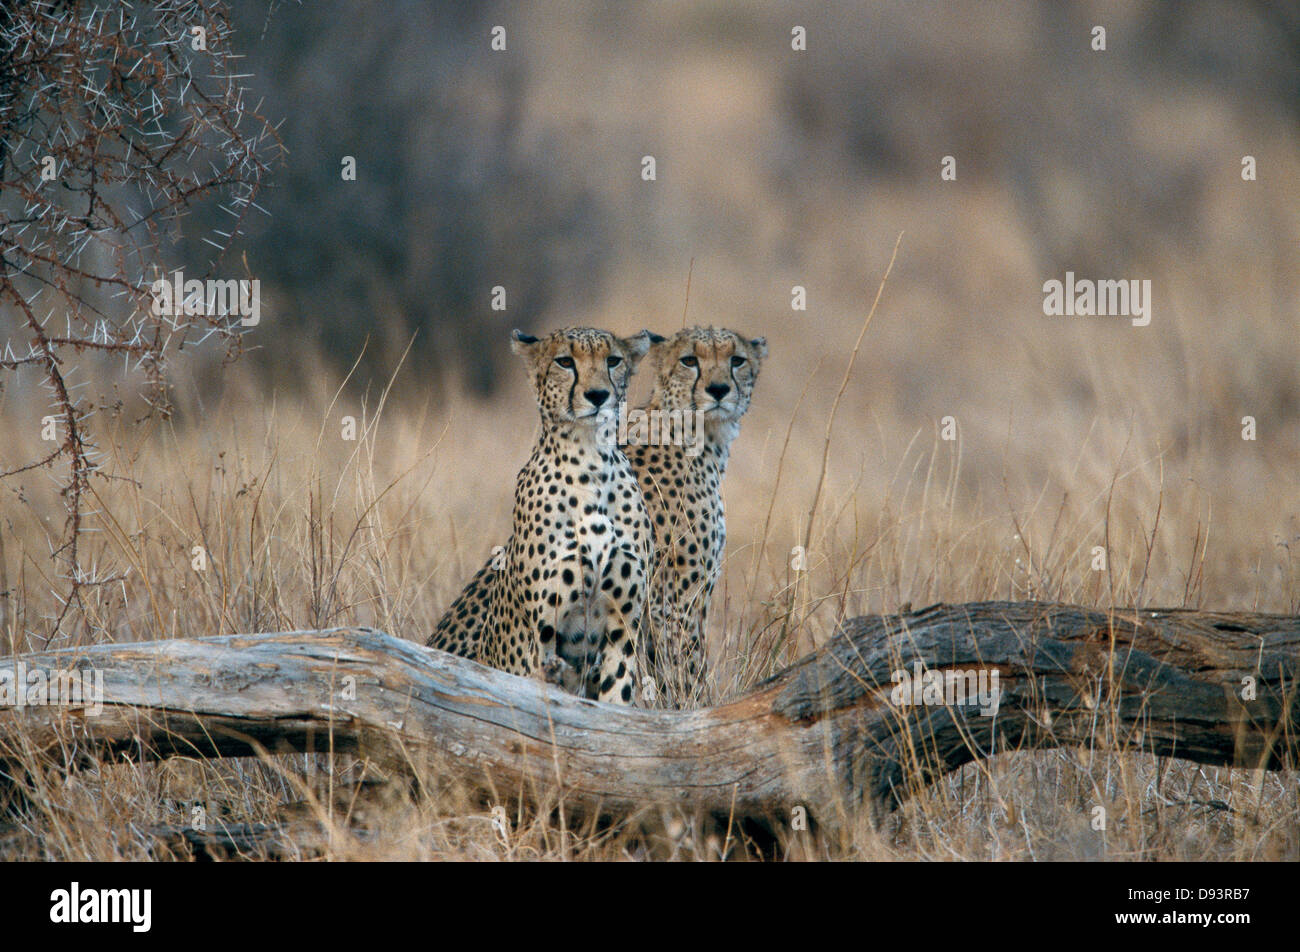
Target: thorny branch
[{"x": 115, "y": 120}]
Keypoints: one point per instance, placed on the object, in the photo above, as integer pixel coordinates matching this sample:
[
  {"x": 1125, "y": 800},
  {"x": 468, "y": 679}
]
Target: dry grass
[{"x": 301, "y": 528}]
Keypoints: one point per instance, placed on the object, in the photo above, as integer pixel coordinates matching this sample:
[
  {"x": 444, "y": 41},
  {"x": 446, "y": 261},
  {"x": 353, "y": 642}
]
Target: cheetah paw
[{"x": 555, "y": 670}]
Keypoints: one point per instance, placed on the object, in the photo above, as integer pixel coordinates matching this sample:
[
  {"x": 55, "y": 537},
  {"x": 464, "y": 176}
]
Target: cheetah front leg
[
  {"x": 693, "y": 668},
  {"x": 586, "y": 622},
  {"x": 568, "y": 623},
  {"x": 622, "y": 585}
]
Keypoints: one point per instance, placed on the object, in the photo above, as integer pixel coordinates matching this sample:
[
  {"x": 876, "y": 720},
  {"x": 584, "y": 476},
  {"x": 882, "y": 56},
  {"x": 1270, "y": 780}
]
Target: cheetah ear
[
  {"x": 658, "y": 350},
  {"x": 760, "y": 347},
  {"x": 636, "y": 347},
  {"x": 520, "y": 342},
  {"x": 656, "y": 342},
  {"x": 528, "y": 347}
]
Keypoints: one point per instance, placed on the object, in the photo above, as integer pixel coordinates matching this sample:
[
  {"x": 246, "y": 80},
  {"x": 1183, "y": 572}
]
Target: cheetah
[
  {"x": 564, "y": 600},
  {"x": 711, "y": 373}
]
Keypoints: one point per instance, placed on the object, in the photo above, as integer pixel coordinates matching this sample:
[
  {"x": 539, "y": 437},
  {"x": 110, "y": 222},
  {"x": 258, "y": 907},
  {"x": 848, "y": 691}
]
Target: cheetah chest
[
  {"x": 596, "y": 583},
  {"x": 608, "y": 523}
]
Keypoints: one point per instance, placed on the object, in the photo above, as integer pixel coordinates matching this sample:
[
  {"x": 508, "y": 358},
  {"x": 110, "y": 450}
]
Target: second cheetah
[{"x": 710, "y": 372}]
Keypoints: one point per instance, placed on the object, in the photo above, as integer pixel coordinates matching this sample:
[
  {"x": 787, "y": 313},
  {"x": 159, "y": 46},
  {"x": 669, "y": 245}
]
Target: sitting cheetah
[
  {"x": 565, "y": 598},
  {"x": 711, "y": 373}
]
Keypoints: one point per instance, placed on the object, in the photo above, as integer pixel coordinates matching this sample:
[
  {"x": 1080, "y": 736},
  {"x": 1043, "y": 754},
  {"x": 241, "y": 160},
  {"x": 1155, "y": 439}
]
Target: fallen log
[
  {"x": 227, "y": 842},
  {"x": 836, "y": 731}
]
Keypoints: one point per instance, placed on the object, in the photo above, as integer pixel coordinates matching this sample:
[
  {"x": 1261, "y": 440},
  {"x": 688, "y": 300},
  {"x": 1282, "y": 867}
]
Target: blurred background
[
  {"x": 521, "y": 168},
  {"x": 775, "y": 168}
]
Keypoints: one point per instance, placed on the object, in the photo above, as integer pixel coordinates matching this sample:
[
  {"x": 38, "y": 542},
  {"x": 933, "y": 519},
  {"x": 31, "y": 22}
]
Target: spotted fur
[
  {"x": 712, "y": 371},
  {"x": 566, "y": 598}
]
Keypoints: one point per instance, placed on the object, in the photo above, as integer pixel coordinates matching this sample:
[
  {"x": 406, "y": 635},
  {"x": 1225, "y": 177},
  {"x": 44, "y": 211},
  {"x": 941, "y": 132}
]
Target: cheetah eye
[
  {"x": 737, "y": 361},
  {"x": 565, "y": 362},
  {"x": 614, "y": 362},
  {"x": 689, "y": 361}
]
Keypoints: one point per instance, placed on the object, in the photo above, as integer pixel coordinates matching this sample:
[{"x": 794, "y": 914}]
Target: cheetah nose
[
  {"x": 717, "y": 390},
  {"x": 597, "y": 397}
]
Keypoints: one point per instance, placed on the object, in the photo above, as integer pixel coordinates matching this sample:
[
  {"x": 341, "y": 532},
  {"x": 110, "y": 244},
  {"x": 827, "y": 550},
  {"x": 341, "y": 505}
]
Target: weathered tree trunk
[{"x": 824, "y": 734}]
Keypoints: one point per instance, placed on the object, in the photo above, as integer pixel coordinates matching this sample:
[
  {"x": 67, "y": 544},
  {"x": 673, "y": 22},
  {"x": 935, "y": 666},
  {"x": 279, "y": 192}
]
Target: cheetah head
[
  {"x": 580, "y": 373},
  {"x": 707, "y": 369}
]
